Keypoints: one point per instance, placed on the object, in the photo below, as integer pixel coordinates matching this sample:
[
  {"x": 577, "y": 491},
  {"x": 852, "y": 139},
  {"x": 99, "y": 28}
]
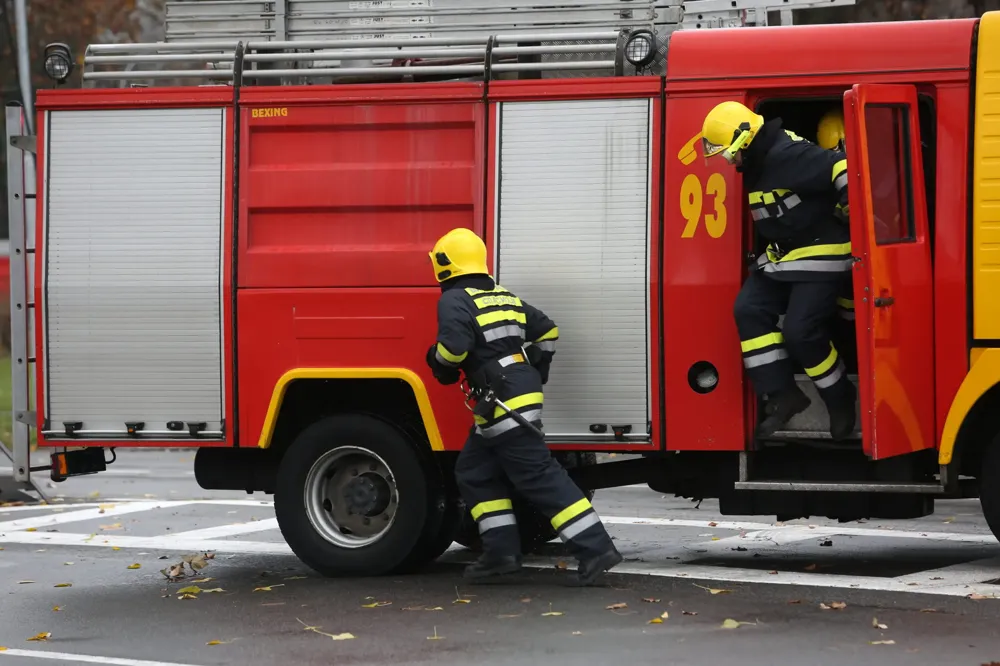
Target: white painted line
[
  {"x": 229, "y": 530},
  {"x": 85, "y": 658},
  {"x": 86, "y": 514},
  {"x": 167, "y": 542},
  {"x": 207, "y": 502},
  {"x": 54, "y": 506},
  {"x": 797, "y": 530},
  {"x": 111, "y": 471}
]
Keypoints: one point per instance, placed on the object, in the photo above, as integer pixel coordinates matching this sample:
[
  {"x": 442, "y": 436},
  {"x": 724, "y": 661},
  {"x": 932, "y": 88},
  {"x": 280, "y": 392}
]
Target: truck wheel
[
  {"x": 352, "y": 497},
  {"x": 989, "y": 486},
  {"x": 534, "y": 528}
]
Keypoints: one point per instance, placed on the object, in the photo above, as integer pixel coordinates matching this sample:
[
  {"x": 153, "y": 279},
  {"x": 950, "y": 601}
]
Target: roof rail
[{"x": 339, "y": 60}]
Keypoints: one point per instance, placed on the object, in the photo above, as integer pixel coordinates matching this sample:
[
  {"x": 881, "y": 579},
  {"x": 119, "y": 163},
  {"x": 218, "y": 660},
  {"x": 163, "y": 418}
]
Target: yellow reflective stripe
[
  {"x": 569, "y": 513},
  {"x": 846, "y": 303},
  {"x": 491, "y": 506},
  {"x": 827, "y": 363},
  {"x": 839, "y": 168},
  {"x": 493, "y": 301},
  {"x": 497, "y": 289},
  {"x": 448, "y": 356},
  {"x": 769, "y": 197},
  {"x": 551, "y": 335},
  {"x": 762, "y": 341},
  {"x": 518, "y": 402},
  {"x": 756, "y": 197},
  {"x": 817, "y": 251},
  {"x": 501, "y": 315}
]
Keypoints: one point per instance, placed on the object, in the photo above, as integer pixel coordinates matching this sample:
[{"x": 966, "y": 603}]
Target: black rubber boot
[
  {"x": 491, "y": 568},
  {"x": 841, "y": 407},
  {"x": 782, "y": 407},
  {"x": 592, "y": 567}
]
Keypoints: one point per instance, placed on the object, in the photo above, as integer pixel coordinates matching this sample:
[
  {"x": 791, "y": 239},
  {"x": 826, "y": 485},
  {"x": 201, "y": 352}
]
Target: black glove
[
  {"x": 443, "y": 373},
  {"x": 843, "y": 213},
  {"x": 540, "y": 361}
]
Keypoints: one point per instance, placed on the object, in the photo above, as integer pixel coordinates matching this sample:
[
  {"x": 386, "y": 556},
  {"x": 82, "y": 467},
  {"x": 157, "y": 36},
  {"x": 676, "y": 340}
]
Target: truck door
[{"x": 893, "y": 285}]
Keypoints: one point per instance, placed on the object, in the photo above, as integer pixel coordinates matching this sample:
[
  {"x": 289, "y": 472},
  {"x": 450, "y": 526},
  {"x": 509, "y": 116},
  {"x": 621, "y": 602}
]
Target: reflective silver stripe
[
  {"x": 840, "y": 182},
  {"x": 832, "y": 378},
  {"x": 791, "y": 201},
  {"x": 508, "y": 360},
  {"x": 546, "y": 345},
  {"x": 508, "y": 331},
  {"x": 507, "y": 423},
  {"x": 759, "y": 214},
  {"x": 810, "y": 265},
  {"x": 493, "y": 522},
  {"x": 442, "y": 360},
  {"x": 574, "y": 529},
  {"x": 763, "y": 359}
]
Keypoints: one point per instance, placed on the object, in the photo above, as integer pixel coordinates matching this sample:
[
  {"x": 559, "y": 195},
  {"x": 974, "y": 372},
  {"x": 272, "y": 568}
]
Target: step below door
[
  {"x": 572, "y": 227},
  {"x": 132, "y": 297}
]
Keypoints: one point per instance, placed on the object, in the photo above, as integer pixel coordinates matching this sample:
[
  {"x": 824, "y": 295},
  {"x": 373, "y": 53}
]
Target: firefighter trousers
[
  {"x": 810, "y": 311},
  {"x": 525, "y": 460}
]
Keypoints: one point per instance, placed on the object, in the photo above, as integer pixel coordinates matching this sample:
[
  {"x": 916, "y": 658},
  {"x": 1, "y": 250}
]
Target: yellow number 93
[{"x": 693, "y": 204}]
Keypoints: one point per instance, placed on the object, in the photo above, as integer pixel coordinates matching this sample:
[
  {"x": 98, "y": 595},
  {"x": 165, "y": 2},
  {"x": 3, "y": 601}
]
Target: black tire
[
  {"x": 443, "y": 516},
  {"x": 405, "y": 534},
  {"x": 534, "y": 528},
  {"x": 989, "y": 486}
]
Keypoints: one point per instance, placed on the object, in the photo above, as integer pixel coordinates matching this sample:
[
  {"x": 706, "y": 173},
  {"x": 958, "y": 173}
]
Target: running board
[{"x": 843, "y": 487}]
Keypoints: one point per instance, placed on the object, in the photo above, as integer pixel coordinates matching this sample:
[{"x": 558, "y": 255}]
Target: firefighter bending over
[
  {"x": 798, "y": 200},
  {"x": 482, "y": 329}
]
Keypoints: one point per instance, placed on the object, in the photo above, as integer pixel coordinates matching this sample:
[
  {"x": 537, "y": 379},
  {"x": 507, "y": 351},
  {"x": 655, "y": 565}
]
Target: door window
[{"x": 887, "y": 130}]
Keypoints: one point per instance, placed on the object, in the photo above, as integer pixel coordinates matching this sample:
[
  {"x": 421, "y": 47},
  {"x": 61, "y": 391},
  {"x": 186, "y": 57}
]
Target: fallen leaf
[
  {"x": 684, "y": 612},
  {"x": 134, "y": 566},
  {"x": 435, "y": 637},
  {"x": 379, "y": 604},
  {"x": 928, "y": 610},
  {"x": 977, "y": 597},
  {"x": 63, "y": 585},
  {"x": 336, "y": 637},
  {"x": 2, "y": 648},
  {"x": 190, "y": 589},
  {"x": 44, "y": 636},
  {"x": 67, "y": 564},
  {"x": 713, "y": 590},
  {"x": 31, "y": 529},
  {"x": 113, "y": 526},
  {"x": 616, "y": 606},
  {"x": 57, "y": 608},
  {"x": 773, "y": 573},
  {"x": 461, "y": 601},
  {"x": 275, "y": 603},
  {"x": 220, "y": 642},
  {"x": 551, "y": 612},
  {"x": 889, "y": 642},
  {"x": 187, "y": 596},
  {"x": 664, "y": 615},
  {"x": 878, "y": 625},
  {"x": 202, "y": 580},
  {"x": 214, "y": 589},
  {"x": 650, "y": 600},
  {"x": 507, "y": 617},
  {"x": 713, "y": 524},
  {"x": 655, "y": 620},
  {"x": 733, "y": 624},
  {"x": 267, "y": 588},
  {"x": 578, "y": 633},
  {"x": 297, "y": 577},
  {"x": 25, "y": 582}
]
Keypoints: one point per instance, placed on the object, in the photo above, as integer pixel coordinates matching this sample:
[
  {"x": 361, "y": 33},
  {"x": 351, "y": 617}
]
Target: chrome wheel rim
[{"x": 351, "y": 497}]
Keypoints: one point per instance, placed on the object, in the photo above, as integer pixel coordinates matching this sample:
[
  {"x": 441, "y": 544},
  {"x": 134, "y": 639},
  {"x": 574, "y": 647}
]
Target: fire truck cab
[{"x": 241, "y": 266}]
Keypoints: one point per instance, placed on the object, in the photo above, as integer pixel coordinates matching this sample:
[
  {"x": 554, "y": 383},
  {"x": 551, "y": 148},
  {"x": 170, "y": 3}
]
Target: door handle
[{"x": 882, "y": 302}]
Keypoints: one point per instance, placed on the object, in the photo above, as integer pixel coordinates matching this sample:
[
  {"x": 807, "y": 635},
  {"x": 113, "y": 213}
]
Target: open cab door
[{"x": 893, "y": 284}]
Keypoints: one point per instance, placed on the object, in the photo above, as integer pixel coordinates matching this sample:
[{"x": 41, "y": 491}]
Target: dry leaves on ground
[
  {"x": 134, "y": 566},
  {"x": 346, "y": 636},
  {"x": 63, "y": 585},
  {"x": 713, "y": 590},
  {"x": 616, "y": 606},
  {"x": 221, "y": 642},
  {"x": 835, "y": 605},
  {"x": 888, "y": 642},
  {"x": 267, "y": 588},
  {"x": 650, "y": 600},
  {"x": 44, "y": 636},
  {"x": 729, "y": 623},
  {"x": 878, "y": 625},
  {"x": 551, "y": 612},
  {"x": 659, "y": 620}
]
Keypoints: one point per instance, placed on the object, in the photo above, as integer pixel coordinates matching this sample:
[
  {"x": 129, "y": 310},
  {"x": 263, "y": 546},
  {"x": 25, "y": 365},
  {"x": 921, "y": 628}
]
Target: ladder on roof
[{"x": 283, "y": 23}]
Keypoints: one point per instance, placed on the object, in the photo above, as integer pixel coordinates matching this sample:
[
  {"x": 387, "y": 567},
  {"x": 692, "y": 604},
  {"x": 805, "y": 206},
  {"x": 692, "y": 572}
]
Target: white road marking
[
  {"x": 52, "y": 506},
  {"x": 85, "y": 658},
  {"x": 229, "y": 530},
  {"x": 165, "y": 542},
  {"x": 87, "y": 514}
]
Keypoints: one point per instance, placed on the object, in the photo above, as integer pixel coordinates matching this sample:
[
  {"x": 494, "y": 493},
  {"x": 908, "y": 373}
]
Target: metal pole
[{"x": 24, "y": 63}]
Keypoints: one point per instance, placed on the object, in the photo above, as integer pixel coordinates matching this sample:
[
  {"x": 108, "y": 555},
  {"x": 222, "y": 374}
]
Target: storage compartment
[
  {"x": 133, "y": 291},
  {"x": 572, "y": 230}
]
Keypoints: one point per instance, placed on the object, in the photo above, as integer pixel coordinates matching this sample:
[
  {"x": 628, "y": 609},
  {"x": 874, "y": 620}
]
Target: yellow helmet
[
  {"x": 459, "y": 252},
  {"x": 729, "y": 128},
  {"x": 830, "y": 132}
]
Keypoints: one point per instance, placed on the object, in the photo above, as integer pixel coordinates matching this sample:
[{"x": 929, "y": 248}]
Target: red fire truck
[{"x": 242, "y": 267}]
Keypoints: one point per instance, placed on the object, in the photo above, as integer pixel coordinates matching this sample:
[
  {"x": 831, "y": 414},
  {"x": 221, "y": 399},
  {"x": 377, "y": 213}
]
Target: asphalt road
[{"x": 912, "y": 577}]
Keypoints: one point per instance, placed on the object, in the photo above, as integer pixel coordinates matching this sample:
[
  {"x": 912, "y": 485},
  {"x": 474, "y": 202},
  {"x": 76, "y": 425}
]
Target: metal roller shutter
[
  {"x": 573, "y": 221},
  {"x": 132, "y": 297}
]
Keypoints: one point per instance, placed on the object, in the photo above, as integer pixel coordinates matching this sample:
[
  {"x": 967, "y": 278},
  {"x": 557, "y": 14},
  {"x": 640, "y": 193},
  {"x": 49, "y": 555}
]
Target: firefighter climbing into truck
[
  {"x": 482, "y": 332},
  {"x": 278, "y": 306},
  {"x": 796, "y": 190}
]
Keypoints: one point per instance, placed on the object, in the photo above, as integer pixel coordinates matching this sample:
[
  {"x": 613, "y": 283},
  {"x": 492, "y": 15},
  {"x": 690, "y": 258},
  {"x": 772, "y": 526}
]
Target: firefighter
[
  {"x": 798, "y": 200},
  {"x": 482, "y": 331}
]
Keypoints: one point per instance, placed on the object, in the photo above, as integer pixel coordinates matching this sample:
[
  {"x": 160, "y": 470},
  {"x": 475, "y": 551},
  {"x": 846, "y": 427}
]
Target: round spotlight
[
  {"x": 58, "y": 62},
  {"x": 640, "y": 48},
  {"x": 703, "y": 377}
]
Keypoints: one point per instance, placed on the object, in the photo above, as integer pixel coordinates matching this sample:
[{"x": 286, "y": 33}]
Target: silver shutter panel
[
  {"x": 572, "y": 237},
  {"x": 132, "y": 300}
]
